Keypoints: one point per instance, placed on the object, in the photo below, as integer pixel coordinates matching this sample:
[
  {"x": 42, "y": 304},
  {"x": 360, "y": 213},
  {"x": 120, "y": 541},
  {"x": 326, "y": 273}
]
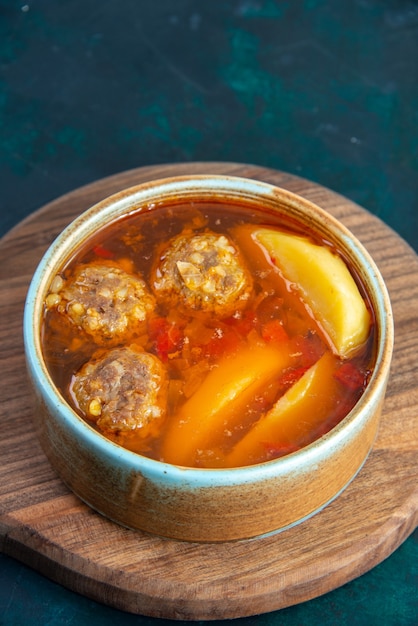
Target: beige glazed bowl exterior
[{"x": 205, "y": 505}]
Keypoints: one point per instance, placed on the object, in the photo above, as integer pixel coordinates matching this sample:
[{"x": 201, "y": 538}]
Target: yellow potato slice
[
  {"x": 324, "y": 284},
  {"x": 305, "y": 405},
  {"x": 218, "y": 404}
]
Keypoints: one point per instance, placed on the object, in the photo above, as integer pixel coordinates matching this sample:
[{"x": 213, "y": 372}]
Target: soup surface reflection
[{"x": 182, "y": 334}]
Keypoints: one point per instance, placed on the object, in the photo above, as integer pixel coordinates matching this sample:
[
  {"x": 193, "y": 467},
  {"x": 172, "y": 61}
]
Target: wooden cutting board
[{"x": 45, "y": 526}]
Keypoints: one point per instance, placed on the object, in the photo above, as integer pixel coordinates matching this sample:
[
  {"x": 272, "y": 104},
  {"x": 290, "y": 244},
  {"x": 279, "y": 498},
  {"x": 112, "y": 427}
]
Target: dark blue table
[{"x": 324, "y": 90}]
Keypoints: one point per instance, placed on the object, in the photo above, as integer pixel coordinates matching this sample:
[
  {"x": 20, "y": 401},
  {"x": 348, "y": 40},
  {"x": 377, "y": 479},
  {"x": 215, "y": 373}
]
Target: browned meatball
[
  {"x": 203, "y": 272},
  {"x": 107, "y": 302},
  {"x": 123, "y": 390}
]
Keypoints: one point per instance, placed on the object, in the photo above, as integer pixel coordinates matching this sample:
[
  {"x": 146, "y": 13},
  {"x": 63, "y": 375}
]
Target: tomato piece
[
  {"x": 223, "y": 341},
  {"x": 103, "y": 252},
  {"x": 270, "y": 308},
  {"x": 350, "y": 376},
  {"x": 273, "y": 332},
  {"x": 156, "y": 325},
  {"x": 292, "y": 376},
  {"x": 166, "y": 336},
  {"x": 310, "y": 347},
  {"x": 243, "y": 323}
]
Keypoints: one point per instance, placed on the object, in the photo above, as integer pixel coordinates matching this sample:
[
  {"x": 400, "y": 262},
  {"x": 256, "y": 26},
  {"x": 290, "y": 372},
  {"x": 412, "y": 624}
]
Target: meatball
[
  {"x": 122, "y": 390},
  {"x": 108, "y": 303},
  {"x": 202, "y": 272}
]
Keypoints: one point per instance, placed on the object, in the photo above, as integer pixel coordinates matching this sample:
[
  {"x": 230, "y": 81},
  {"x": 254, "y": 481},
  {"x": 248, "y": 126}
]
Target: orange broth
[{"x": 193, "y": 347}]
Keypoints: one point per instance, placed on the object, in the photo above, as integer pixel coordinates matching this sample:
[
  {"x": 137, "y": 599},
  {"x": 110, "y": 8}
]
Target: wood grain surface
[{"x": 45, "y": 526}]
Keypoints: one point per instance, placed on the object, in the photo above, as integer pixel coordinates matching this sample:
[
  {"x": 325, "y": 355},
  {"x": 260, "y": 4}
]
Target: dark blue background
[{"x": 325, "y": 90}]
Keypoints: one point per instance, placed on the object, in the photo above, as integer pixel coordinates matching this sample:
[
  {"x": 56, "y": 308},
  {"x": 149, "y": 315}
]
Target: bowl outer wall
[{"x": 185, "y": 503}]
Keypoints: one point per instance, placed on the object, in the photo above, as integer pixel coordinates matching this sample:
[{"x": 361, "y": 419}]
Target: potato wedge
[
  {"x": 218, "y": 404},
  {"x": 325, "y": 285},
  {"x": 300, "y": 409}
]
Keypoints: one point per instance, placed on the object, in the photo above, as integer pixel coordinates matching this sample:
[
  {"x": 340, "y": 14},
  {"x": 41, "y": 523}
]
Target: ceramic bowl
[{"x": 204, "y": 505}]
